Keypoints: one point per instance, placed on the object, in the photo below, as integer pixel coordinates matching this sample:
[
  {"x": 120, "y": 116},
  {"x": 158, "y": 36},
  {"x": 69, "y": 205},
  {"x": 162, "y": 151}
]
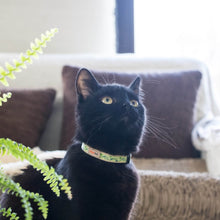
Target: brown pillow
[
  {"x": 169, "y": 99},
  {"x": 24, "y": 116}
]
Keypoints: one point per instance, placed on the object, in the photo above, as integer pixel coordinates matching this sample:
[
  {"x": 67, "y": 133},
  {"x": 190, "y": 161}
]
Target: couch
[{"x": 172, "y": 187}]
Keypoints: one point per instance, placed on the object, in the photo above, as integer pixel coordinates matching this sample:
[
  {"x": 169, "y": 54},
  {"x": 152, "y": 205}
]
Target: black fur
[{"x": 101, "y": 190}]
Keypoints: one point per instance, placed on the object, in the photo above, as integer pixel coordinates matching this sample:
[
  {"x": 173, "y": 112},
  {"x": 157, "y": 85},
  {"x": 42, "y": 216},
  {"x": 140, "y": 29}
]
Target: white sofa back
[{"x": 46, "y": 73}]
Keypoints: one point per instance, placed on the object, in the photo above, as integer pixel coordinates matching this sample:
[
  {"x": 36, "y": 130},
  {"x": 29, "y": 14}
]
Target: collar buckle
[{"x": 128, "y": 158}]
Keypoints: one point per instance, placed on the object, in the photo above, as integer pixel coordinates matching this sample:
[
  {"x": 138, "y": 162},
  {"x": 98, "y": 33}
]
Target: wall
[{"x": 85, "y": 26}]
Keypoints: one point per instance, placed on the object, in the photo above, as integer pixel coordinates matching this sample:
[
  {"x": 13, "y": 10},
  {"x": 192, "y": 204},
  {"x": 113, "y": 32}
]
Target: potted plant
[{"x": 7, "y": 146}]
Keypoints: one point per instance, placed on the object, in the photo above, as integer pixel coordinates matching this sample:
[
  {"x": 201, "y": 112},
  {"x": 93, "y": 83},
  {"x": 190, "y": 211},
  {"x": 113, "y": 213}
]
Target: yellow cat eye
[
  {"x": 107, "y": 100},
  {"x": 134, "y": 103}
]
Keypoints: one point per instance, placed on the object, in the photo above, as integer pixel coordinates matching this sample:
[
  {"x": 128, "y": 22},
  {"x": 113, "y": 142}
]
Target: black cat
[{"x": 104, "y": 181}]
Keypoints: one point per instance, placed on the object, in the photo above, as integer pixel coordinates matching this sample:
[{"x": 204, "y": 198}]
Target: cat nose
[{"x": 126, "y": 106}]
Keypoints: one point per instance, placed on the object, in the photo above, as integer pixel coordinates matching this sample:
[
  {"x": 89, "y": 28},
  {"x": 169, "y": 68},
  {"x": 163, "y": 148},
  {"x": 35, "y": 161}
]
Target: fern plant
[
  {"x": 7, "y": 146},
  {"x": 15, "y": 188},
  {"x": 8, "y": 213},
  {"x": 27, "y": 57},
  {"x": 25, "y": 153},
  {"x": 5, "y": 97}
]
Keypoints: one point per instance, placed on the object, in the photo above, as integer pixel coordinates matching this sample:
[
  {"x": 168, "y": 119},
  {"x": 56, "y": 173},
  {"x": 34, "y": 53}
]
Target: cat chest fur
[{"x": 101, "y": 190}]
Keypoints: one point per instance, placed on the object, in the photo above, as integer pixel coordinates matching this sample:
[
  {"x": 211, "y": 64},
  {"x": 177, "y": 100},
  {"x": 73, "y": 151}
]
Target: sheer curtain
[{"x": 180, "y": 28}]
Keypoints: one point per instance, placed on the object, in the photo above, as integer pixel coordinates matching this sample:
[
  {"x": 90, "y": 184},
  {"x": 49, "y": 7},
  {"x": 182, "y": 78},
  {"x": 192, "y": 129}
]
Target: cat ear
[
  {"x": 135, "y": 85},
  {"x": 86, "y": 83}
]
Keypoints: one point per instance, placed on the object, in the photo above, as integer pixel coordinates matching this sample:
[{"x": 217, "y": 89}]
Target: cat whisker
[
  {"x": 162, "y": 137},
  {"x": 105, "y": 120},
  {"x": 153, "y": 81},
  {"x": 113, "y": 79},
  {"x": 158, "y": 122},
  {"x": 98, "y": 126},
  {"x": 159, "y": 131},
  {"x": 99, "y": 118},
  {"x": 105, "y": 80}
]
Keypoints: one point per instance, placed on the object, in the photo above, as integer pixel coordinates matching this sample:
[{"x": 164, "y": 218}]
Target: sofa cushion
[
  {"x": 23, "y": 117},
  {"x": 169, "y": 99}
]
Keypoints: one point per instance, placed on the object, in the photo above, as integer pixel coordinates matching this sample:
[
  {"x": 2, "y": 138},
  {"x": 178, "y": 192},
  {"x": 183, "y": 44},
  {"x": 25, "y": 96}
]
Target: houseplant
[{"x": 7, "y": 146}]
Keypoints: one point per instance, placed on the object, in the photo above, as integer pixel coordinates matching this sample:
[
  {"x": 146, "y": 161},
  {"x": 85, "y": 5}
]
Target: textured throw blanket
[{"x": 170, "y": 189}]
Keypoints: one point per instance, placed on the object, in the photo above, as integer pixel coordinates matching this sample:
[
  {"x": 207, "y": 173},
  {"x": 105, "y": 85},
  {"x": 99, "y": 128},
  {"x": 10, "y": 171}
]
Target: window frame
[{"x": 124, "y": 14}]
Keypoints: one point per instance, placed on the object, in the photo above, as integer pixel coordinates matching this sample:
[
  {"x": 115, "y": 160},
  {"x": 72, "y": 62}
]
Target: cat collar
[{"x": 104, "y": 156}]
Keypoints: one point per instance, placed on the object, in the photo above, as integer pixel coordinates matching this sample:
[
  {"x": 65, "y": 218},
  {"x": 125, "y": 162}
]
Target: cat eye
[
  {"x": 107, "y": 100},
  {"x": 134, "y": 103}
]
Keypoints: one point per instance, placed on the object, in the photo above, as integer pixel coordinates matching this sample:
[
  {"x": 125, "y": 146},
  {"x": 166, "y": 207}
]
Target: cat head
[
  {"x": 110, "y": 117},
  {"x": 206, "y": 133}
]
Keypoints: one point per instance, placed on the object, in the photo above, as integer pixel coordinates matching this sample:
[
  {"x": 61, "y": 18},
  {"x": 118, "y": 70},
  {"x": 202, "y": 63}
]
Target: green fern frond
[
  {"x": 7, "y": 146},
  {"x": 5, "y": 97},
  {"x": 9, "y": 186},
  {"x": 42, "y": 204},
  {"x": 36, "y": 48},
  {"x": 25, "y": 153},
  {"x": 8, "y": 213}
]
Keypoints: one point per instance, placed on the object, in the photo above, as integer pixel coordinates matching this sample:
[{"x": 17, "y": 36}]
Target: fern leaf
[
  {"x": 17, "y": 66},
  {"x": 43, "y": 37},
  {"x": 2, "y": 73},
  {"x": 38, "y": 46},
  {"x": 25, "y": 153},
  {"x": 27, "y": 58},
  {"x": 8, "y": 213},
  {"x": 4, "y": 81},
  {"x": 33, "y": 47},
  {"x": 8, "y": 184},
  {"x": 37, "y": 41},
  {"x": 9, "y": 67},
  {"x": 5, "y": 97},
  {"x": 22, "y": 58},
  {"x": 42, "y": 204}
]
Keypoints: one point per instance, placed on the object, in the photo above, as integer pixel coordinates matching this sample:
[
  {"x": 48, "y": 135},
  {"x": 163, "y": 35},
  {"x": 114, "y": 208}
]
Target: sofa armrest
[{"x": 173, "y": 195}]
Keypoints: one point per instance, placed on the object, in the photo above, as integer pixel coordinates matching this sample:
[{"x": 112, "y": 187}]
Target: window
[{"x": 183, "y": 28}]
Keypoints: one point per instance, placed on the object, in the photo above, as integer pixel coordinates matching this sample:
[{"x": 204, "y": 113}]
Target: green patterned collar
[{"x": 104, "y": 156}]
